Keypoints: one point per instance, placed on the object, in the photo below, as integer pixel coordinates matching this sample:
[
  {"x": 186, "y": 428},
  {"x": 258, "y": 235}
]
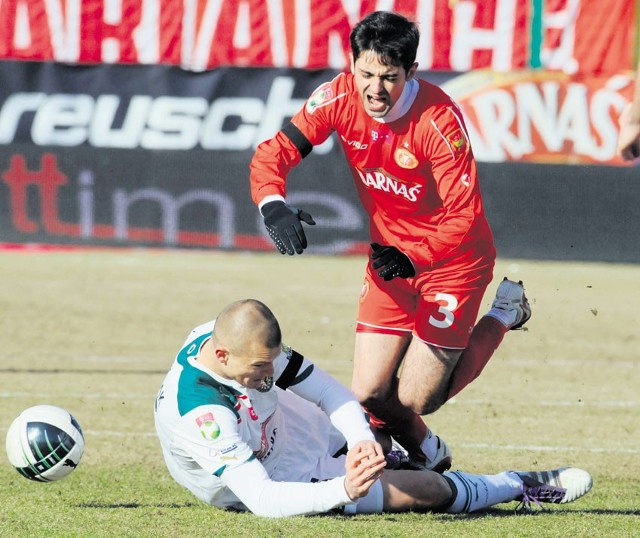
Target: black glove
[
  {"x": 284, "y": 227},
  {"x": 391, "y": 262}
]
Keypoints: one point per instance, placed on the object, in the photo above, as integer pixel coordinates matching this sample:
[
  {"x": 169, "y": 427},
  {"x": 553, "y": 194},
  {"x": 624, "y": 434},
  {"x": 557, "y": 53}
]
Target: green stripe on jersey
[{"x": 196, "y": 388}]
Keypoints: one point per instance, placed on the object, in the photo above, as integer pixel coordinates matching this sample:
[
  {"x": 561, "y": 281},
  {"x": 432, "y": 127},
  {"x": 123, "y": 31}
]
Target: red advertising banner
[
  {"x": 572, "y": 36},
  {"x": 542, "y": 116}
]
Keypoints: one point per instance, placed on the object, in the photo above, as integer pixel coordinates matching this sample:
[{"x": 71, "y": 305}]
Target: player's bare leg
[
  {"x": 376, "y": 361},
  {"x": 460, "y": 492},
  {"x": 417, "y": 491},
  {"x": 425, "y": 377}
]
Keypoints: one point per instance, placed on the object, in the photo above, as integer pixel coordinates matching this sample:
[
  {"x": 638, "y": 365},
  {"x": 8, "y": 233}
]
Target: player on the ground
[
  {"x": 432, "y": 254},
  {"x": 629, "y": 137},
  {"x": 248, "y": 423}
]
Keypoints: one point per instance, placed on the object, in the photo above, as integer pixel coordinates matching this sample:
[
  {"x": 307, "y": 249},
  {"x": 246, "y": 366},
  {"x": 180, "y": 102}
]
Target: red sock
[{"x": 485, "y": 339}]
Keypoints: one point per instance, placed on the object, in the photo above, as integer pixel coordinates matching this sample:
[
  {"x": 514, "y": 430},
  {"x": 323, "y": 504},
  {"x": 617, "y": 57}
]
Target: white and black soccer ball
[{"x": 45, "y": 443}]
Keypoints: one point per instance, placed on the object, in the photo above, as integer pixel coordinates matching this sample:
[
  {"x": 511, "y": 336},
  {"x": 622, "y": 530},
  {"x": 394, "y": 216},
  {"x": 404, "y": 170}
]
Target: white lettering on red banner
[{"x": 575, "y": 35}]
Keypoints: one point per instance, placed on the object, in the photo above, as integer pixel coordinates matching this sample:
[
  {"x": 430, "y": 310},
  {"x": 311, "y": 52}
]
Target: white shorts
[{"x": 311, "y": 442}]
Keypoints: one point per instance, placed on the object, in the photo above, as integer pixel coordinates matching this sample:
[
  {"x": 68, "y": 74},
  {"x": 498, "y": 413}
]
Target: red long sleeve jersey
[{"x": 416, "y": 176}]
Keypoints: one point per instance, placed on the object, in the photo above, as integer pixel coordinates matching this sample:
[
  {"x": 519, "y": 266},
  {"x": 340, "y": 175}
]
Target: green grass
[{"x": 95, "y": 332}]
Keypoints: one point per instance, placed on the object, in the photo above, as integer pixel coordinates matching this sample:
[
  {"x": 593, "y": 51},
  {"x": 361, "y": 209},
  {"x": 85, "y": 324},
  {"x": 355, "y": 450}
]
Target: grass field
[{"x": 95, "y": 331}]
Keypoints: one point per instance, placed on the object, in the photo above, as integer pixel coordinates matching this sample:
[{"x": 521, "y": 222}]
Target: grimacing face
[
  {"x": 379, "y": 85},
  {"x": 250, "y": 369}
]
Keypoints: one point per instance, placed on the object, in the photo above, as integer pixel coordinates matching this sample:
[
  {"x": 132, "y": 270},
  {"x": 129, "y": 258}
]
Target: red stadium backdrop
[
  {"x": 132, "y": 122},
  {"x": 574, "y": 36}
]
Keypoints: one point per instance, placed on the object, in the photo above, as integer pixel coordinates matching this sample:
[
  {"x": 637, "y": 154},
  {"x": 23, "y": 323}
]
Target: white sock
[
  {"x": 476, "y": 492},
  {"x": 506, "y": 317},
  {"x": 429, "y": 446}
]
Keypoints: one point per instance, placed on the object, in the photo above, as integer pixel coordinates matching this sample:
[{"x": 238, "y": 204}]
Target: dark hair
[{"x": 391, "y": 36}]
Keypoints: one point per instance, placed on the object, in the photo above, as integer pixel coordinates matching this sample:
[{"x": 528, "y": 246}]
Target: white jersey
[{"x": 267, "y": 450}]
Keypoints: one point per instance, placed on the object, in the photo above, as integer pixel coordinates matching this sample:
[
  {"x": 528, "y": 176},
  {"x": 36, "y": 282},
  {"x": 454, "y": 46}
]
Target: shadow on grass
[
  {"x": 544, "y": 512},
  {"x": 100, "y": 505},
  {"x": 495, "y": 513}
]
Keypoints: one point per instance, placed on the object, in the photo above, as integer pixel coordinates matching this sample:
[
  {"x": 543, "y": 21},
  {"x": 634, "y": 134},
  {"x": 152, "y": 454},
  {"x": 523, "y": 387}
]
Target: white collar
[{"x": 403, "y": 104}]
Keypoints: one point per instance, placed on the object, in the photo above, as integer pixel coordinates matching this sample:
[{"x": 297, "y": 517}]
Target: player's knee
[
  {"x": 370, "y": 396},
  {"x": 370, "y": 401},
  {"x": 422, "y": 404}
]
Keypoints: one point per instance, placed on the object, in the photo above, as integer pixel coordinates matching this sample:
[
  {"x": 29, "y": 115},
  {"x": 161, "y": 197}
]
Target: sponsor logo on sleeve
[
  {"x": 224, "y": 453},
  {"x": 209, "y": 428}
]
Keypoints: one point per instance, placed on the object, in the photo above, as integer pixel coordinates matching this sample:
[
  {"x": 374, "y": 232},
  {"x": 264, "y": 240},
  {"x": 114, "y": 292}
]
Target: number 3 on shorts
[{"x": 446, "y": 310}]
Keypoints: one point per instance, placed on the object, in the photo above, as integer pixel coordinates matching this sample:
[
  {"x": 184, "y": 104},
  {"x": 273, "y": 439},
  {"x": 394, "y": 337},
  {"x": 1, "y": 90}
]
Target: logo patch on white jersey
[
  {"x": 267, "y": 384},
  {"x": 209, "y": 428}
]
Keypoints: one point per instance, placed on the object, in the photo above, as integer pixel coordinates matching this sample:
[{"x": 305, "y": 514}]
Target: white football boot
[
  {"x": 557, "y": 486},
  {"x": 510, "y": 306},
  {"x": 441, "y": 462}
]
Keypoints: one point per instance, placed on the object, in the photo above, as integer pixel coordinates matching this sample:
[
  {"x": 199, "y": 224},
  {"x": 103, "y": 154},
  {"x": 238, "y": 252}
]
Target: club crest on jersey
[
  {"x": 405, "y": 158},
  {"x": 209, "y": 428},
  {"x": 267, "y": 384},
  {"x": 320, "y": 96},
  {"x": 457, "y": 142}
]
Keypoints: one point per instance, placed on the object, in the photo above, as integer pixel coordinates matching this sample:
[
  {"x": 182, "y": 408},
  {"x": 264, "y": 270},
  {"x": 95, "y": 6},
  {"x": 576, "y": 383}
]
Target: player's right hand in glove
[
  {"x": 391, "y": 262},
  {"x": 284, "y": 226}
]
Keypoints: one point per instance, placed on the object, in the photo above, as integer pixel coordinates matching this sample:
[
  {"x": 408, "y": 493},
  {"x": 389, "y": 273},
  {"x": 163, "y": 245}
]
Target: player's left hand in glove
[
  {"x": 284, "y": 226},
  {"x": 391, "y": 262}
]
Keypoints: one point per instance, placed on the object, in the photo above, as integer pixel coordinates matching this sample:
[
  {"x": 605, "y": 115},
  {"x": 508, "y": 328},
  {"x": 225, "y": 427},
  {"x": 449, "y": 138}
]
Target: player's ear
[
  {"x": 412, "y": 71},
  {"x": 352, "y": 63},
  {"x": 222, "y": 354}
]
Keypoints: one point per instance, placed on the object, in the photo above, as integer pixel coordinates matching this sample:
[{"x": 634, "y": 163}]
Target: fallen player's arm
[
  {"x": 337, "y": 401},
  {"x": 268, "y": 498}
]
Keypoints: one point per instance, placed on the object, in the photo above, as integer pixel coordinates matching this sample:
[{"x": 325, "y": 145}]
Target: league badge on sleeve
[
  {"x": 209, "y": 428},
  {"x": 320, "y": 96}
]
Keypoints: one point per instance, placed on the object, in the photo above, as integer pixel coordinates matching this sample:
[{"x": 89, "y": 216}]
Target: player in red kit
[{"x": 432, "y": 251}]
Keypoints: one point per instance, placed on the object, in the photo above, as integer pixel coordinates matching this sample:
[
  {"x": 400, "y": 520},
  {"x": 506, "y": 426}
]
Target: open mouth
[{"x": 376, "y": 104}]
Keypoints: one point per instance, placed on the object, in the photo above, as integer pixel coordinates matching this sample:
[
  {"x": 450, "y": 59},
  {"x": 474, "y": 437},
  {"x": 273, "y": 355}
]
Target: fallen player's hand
[
  {"x": 284, "y": 226},
  {"x": 364, "y": 465},
  {"x": 391, "y": 262}
]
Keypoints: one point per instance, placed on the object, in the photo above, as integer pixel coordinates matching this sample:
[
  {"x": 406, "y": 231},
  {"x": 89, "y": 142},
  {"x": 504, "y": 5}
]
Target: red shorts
[{"x": 440, "y": 307}]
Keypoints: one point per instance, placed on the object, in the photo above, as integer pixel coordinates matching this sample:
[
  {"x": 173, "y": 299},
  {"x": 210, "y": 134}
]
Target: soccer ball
[{"x": 45, "y": 443}]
